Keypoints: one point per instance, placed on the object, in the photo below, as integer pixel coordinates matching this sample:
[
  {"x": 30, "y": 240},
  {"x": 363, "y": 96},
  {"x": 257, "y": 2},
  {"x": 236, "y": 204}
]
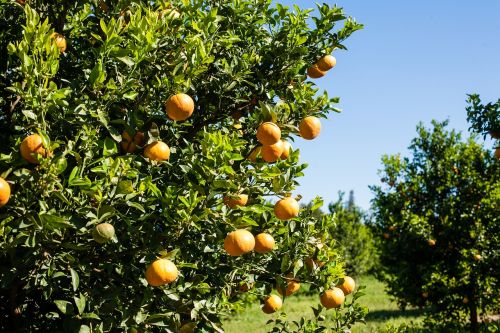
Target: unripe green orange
[{"x": 103, "y": 233}]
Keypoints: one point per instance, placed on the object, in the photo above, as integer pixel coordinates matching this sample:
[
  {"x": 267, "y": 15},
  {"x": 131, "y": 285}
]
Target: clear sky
[{"x": 413, "y": 61}]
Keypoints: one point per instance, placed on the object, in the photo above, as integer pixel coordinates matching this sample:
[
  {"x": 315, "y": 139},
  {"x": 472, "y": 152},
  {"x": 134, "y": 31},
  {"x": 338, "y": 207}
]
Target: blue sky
[{"x": 414, "y": 61}]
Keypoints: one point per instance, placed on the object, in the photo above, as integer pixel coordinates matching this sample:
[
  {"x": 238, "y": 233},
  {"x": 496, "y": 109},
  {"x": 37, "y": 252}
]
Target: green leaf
[
  {"x": 75, "y": 280},
  {"x": 54, "y": 222},
  {"x": 80, "y": 303},
  {"x": 64, "y": 306}
]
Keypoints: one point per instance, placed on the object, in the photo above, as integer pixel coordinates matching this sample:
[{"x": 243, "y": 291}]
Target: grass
[{"x": 383, "y": 312}]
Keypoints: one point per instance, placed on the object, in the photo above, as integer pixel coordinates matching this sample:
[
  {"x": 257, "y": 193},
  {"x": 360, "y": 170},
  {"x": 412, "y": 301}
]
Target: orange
[
  {"x": 431, "y": 242},
  {"x": 157, "y": 151},
  {"x": 272, "y": 304},
  {"x": 286, "y": 150},
  {"x": 187, "y": 327},
  {"x": 180, "y": 107},
  {"x": 264, "y": 243},
  {"x": 268, "y": 133},
  {"x": 332, "y": 298},
  {"x": 271, "y": 153},
  {"x": 4, "y": 192},
  {"x": 292, "y": 286},
  {"x": 103, "y": 233},
  {"x": 161, "y": 272},
  {"x": 477, "y": 257},
  {"x": 425, "y": 294},
  {"x": 31, "y": 145},
  {"x": 326, "y": 63},
  {"x": 239, "y": 242},
  {"x": 256, "y": 152},
  {"x": 386, "y": 235},
  {"x": 348, "y": 285},
  {"x": 128, "y": 145},
  {"x": 314, "y": 72},
  {"x": 309, "y": 127},
  {"x": 465, "y": 300},
  {"x": 60, "y": 41},
  {"x": 286, "y": 208},
  {"x": 236, "y": 200},
  {"x": 497, "y": 152},
  {"x": 392, "y": 228}
]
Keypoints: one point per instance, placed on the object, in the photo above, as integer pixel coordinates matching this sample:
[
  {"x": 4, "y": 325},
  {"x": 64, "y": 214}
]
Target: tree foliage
[
  {"x": 243, "y": 62},
  {"x": 437, "y": 217}
]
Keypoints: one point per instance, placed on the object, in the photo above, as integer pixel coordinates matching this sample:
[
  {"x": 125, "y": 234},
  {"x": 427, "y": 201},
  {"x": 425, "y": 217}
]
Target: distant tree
[
  {"x": 354, "y": 238},
  {"x": 437, "y": 215}
]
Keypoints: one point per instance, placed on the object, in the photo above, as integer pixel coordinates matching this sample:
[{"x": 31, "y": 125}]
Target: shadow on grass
[{"x": 382, "y": 315}]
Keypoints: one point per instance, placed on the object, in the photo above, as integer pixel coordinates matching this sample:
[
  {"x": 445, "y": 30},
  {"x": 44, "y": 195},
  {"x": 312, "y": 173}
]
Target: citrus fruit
[
  {"x": 128, "y": 144},
  {"x": 4, "y": 192},
  {"x": 326, "y": 63},
  {"x": 234, "y": 200},
  {"x": 239, "y": 242},
  {"x": 180, "y": 107},
  {"x": 157, "y": 151},
  {"x": 268, "y": 133},
  {"x": 271, "y": 153},
  {"x": 348, "y": 285},
  {"x": 292, "y": 285},
  {"x": 103, "y": 233},
  {"x": 286, "y": 150},
  {"x": 309, "y": 127},
  {"x": 161, "y": 272},
  {"x": 32, "y": 145},
  {"x": 286, "y": 208},
  {"x": 332, "y": 298},
  {"x": 272, "y": 304},
  {"x": 314, "y": 72},
  {"x": 60, "y": 41},
  {"x": 431, "y": 242},
  {"x": 264, "y": 243}
]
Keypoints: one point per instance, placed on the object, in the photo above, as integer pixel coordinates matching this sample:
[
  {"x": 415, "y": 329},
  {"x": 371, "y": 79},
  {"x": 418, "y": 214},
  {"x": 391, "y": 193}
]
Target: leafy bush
[
  {"x": 95, "y": 96},
  {"x": 436, "y": 215}
]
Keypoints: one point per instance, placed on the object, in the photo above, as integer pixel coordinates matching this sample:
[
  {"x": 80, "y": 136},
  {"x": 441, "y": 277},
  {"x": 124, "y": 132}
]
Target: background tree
[
  {"x": 102, "y": 183},
  {"x": 437, "y": 217}
]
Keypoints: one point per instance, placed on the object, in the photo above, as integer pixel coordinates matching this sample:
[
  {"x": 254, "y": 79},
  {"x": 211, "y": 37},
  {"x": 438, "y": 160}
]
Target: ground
[{"x": 383, "y": 312}]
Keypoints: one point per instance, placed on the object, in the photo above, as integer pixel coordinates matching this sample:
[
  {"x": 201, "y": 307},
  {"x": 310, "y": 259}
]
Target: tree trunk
[{"x": 474, "y": 324}]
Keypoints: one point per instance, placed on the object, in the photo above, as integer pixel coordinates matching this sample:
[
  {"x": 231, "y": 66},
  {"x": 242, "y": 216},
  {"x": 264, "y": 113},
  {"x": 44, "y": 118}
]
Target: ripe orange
[
  {"x": 425, "y": 294},
  {"x": 31, "y": 145},
  {"x": 286, "y": 208},
  {"x": 180, "y": 107},
  {"x": 268, "y": 133},
  {"x": 129, "y": 145},
  {"x": 256, "y": 152},
  {"x": 386, "y": 235},
  {"x": 286, "y": 150},
  {"x": 431, "y": 242},
  {"x": 477, "y": 257},
  {"x": 314, "y": 72},
  {"x": 292, "y": 286},
  {"x": 264, "y": 243},
  {"x": 332, "y": 298},
  {"x": 309, "y": 127},
  {"x": 239, "y": 242},
  {"x": 103, "y": 233},
  {"x": 272, "y": 304},
  {"x": 238, "y": 200},
  {"x": 271, "y": 153},
  {"x": 157, "y": 151},
  {"x": 392, "y": 228},
  {"x": 348, "y": 285},
  {"x": 465, "y": 300},
  {"x": 4, "y": 192},
  {"x": 161, "y": 272},
  {"x": 326, "y": 63},
  {"x": 497, "y": 152},
  {"x": 60, "y": 41}
]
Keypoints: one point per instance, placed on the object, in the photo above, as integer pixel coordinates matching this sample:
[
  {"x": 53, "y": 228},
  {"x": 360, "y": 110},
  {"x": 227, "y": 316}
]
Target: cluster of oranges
[{"x": 322, "y": 66}]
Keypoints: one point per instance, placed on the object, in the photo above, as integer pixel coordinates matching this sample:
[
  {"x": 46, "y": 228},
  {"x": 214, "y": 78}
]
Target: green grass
[{"x": 383, "y": 311}]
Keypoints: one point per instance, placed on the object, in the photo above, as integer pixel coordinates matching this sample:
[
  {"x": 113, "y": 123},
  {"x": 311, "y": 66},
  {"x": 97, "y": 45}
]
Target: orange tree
[
  {"x": 133, "y": 185},
  {"x": 437, "y": 216},
  {"x": 485, "y": 119}
]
